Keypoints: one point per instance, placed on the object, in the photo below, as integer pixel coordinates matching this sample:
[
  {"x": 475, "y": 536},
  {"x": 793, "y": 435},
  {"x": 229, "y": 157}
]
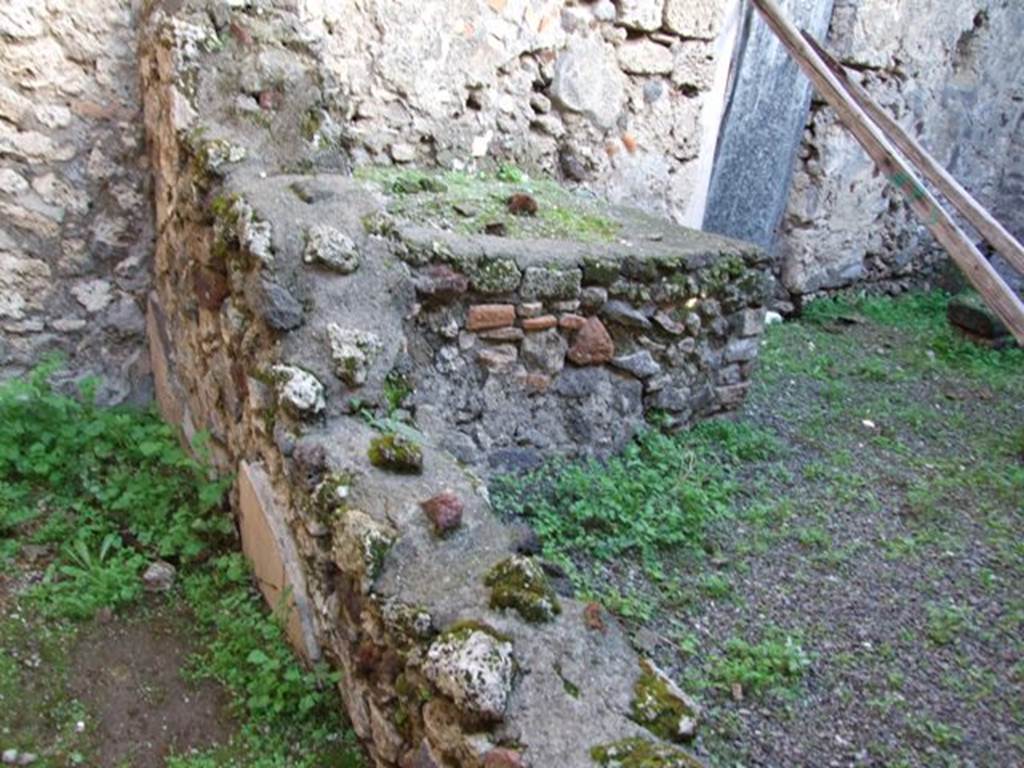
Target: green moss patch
[
  {"x": 469, "y": 203},
  {"x": 397, "y": 454},
  {"x": 520, "y": 584},
  {"x": 461, "y": 630},
  {"x": 640, "y": 753}
]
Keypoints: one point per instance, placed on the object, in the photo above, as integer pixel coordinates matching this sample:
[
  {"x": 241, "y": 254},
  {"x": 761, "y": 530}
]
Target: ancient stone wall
[
  {"x": 75, "y": 205},
  {"x": 624, "y": 97},
  {"x": 525, "y": 348},
  {"x": 323, "y": 329},
  {"x": 950, "y": 71}
]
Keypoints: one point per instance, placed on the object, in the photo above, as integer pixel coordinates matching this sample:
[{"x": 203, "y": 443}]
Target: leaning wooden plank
[
  {"x": 994, "y": 291},
  {"x": 989, "y": 228}
]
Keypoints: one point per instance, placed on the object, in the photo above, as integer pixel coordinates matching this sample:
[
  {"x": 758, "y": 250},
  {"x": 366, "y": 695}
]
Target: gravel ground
[{"x": 885, "y": 538}]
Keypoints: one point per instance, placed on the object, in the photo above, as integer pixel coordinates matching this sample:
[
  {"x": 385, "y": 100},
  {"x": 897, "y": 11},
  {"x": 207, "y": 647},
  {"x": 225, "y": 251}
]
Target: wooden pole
[
  {"x": 993, "y": 289},
  {"x": 989, "y": 228}
]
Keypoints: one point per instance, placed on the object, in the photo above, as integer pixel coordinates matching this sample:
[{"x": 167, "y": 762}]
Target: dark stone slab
[
  {"x": 969, "y": 312},
  {"x": 762, "y": 128}
]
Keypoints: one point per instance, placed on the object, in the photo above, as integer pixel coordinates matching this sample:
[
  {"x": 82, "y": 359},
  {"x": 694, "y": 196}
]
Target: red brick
[
  {"x": 572, "y": 322},
  {"x": 541, "y": 323},
  {"x": 484, "y": 316}
]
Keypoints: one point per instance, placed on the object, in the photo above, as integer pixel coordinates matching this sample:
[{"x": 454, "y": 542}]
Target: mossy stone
[
  {"x": 495, "y": 276},
  {"x": 640, "y": 753},
  {"x": 661, "y": 707},
  {"x": 551, "y": 283},
  {"x": 330, "y": 496},
  {"x": 520, "y": 584},
  {"x": 462, "y": 629},
  {"x": 397, "y": 454},
  {"x": 599, "y": 271}
]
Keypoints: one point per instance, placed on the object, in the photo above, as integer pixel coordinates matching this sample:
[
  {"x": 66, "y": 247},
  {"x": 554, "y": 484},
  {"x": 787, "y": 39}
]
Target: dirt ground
[
  {"x": 128, "y": 675},
  {"x": 108, "y": 693}
]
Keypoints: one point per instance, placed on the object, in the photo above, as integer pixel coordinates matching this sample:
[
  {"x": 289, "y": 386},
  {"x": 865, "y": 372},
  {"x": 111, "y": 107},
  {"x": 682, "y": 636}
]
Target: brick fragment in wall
[{"x": 484, "y": 316}]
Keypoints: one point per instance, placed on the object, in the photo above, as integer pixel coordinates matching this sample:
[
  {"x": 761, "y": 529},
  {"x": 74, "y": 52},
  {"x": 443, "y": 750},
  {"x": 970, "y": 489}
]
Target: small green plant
[
  {"x": 509, "y": 173},
  {"x": 396, "y": 389},
  {"x": 290, "y": 715},
  {"x": 936, "y": 732},
  {"x": 71, "y": 471},
  {"x": 83, "y": 581},
  {"x": 715, "y": 585},
  {"x": 776, "y": 663},
  {"x": 945, "y": 623}
]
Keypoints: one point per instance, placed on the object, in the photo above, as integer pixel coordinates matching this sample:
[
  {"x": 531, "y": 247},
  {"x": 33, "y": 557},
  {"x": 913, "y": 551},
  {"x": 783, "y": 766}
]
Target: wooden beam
[
  {"x": 993, "y": 289},
  {"x": 989, "y": 228}
]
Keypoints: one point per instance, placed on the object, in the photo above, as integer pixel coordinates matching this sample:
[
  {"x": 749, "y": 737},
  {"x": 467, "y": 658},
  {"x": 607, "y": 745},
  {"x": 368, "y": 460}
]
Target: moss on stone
[
  {"x": 397, "y": 454},
  {"x": 551, "y": 282},
  {"x": 567, "y": 685},
  {"x": 312, "y": 122},
  {"x": 463, "y": 628},
  {"x": 599, "y": 271},
  {"x": 661, "y": 707},
  {"x": 210, "y": 155},
  {"x": 520, "y": 584},
  {"x": 729, "y": 268},
  {"x": 471, "y": 202},
  {"x": 376, "y": 545},
  {"x": 495, "y": 276},
  {"x": 361, "y": 544},
  {"x": 330, "y": 496},
  {"x": 408, "y": 625},
  {"x": 379, "y": 223},
  {"x": 637, "y": 293},
  {"x": 640, "y": 753},
  {"x": 223, "y": 208}
]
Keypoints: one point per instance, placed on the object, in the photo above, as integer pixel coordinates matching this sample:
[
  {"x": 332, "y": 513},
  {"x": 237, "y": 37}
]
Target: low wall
[{"x": 333, "y": 335}]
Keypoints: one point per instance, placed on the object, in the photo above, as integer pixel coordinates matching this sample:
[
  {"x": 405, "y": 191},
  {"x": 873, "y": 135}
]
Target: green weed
[
  {"x": 776, "y": 663},
  {"x": 946, "y": 623}
]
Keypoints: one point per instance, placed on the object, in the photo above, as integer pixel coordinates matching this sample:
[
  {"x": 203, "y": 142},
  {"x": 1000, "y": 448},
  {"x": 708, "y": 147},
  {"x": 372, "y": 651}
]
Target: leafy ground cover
[
  {"x": 88, "y": 498},
  {"x": 838, "y": 572}
]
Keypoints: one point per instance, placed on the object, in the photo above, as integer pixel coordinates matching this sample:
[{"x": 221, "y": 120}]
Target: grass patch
[
  {"x": 622, "y": 528},
  {"x": 924, "y": 316},
  {"x": 658, "y": 497},
  {"x": 468, "y": 202}
]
